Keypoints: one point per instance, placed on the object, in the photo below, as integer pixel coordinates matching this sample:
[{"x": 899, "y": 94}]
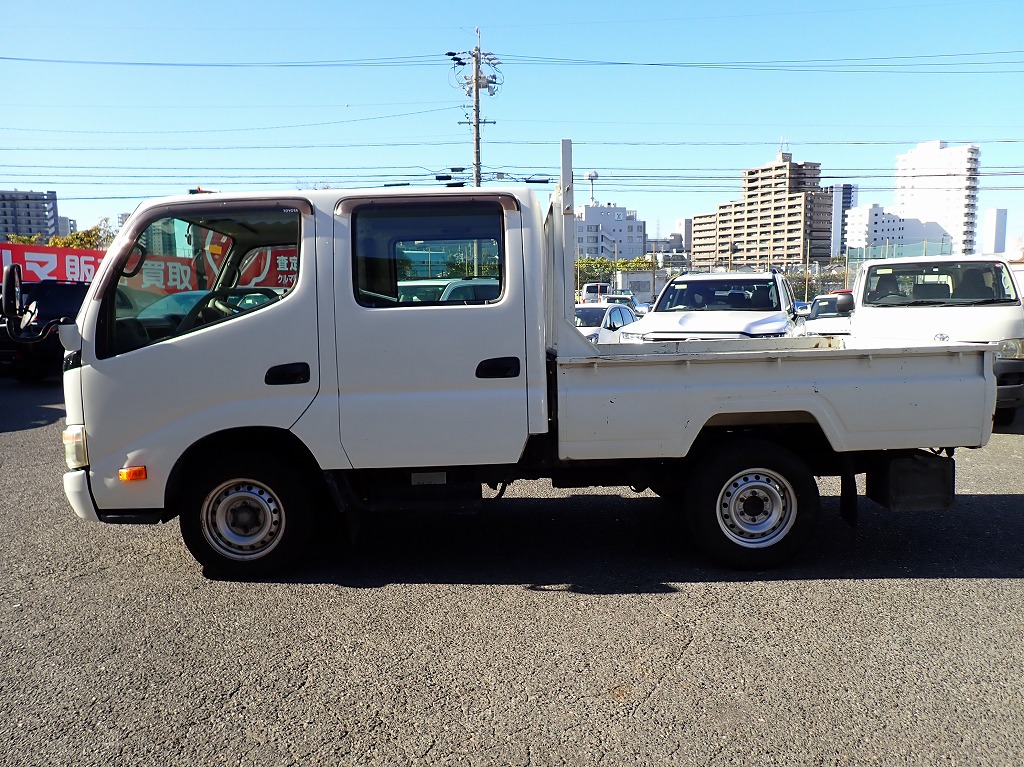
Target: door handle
[
  {"x": 498, "y": 367},
  {"x": 287, "y": 374}
]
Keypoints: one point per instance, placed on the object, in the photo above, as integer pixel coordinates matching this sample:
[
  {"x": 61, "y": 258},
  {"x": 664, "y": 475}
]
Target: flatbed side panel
[{"x": 641, "y": 407}]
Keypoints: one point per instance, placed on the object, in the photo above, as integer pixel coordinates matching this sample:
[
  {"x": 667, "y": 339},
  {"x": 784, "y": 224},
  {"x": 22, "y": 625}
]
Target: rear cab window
[{"x": 428, "y": 254}]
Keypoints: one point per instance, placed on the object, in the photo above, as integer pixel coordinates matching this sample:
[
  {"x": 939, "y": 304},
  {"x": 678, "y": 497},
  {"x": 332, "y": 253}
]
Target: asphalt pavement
[{"x": 553, "y": 628}]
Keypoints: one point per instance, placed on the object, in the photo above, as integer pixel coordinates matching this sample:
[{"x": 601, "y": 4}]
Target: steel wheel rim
[
  {"x": 756, "y": 508},
  {"x": 242, "y": 519}
]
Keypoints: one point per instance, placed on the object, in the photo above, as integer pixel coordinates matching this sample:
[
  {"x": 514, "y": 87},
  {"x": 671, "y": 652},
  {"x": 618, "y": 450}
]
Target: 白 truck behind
[
  {"x": 962, "y": 298},
  {"x": 243, "y": 363}
]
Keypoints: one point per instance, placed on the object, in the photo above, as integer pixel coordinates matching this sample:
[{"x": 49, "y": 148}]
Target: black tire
[
  {"x": 1004, "y": 416},
  {"x": 247, "y": 517},
  {"x": 751, "y": 504}
]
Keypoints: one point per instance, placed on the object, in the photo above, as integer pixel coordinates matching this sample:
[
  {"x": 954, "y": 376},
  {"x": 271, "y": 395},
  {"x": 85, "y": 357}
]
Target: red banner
[
  {"x": 267, "y": 267},
  {"x": 41, "y": 262}
]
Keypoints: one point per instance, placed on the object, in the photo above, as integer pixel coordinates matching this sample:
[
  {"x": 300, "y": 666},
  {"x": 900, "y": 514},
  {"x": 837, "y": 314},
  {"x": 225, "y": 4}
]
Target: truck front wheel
[
  {"x": 752, "y": 504},
  {"x": 246, "y": 518}
]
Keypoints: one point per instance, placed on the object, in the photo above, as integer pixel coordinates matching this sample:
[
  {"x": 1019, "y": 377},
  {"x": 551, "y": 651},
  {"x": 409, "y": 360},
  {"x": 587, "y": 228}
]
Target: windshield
[
  {"x": 720, "y": 295},
  {"x": 825, "y": 307},
  {"x": 590, "y": 317},
  {"x": 933, "y": 283}
]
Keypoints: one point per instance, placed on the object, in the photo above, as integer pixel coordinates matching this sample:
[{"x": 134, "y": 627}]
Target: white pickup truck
[{"x": 243, "y": 362}]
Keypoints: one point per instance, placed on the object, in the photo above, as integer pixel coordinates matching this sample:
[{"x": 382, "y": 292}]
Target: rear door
[{"x": 430, "y": 383}]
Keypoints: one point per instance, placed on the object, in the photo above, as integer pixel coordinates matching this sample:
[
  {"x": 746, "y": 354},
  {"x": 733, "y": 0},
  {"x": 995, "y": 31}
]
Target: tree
[
  {"x": 97, "y": 237},
  {"x": 25, "y": 239}
]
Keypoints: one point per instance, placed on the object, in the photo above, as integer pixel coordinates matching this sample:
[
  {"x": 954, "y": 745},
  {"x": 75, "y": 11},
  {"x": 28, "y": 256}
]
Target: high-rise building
[
  {"x": 609, "y": 231},
  {"x": 783, "y": 219},
  {"x": 938, "y": 184},
  {"x": 28, "y": 213},
  {"x": 844, "y": 197},
  {"x": 992, "y": 238}
]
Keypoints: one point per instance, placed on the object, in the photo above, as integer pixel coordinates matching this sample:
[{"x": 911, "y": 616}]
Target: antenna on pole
[{"x": 592, "y": 177}]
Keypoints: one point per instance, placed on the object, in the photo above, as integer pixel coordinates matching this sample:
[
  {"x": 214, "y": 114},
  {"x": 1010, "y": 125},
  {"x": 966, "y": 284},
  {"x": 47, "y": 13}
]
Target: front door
[
  {"x": 431, "y": 374},
  {"x": 203, "y": 304}
]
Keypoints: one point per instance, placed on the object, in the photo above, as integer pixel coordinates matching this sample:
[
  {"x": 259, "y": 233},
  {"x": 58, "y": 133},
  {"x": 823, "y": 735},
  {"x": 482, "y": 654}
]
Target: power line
[
  {"x": 547, "y": 143},
  {"x": 230, "y": 130},
  {"x": 940, "y": 62}
]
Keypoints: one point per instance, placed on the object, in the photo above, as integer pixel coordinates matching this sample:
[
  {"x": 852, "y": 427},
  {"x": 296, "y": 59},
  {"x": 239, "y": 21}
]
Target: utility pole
[{"x": 472, "y": 84}]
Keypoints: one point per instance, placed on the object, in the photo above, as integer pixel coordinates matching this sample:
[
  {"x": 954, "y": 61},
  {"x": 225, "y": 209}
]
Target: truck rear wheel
[
  {"x": 752, "y": 504},
  {"x": 248, "y": 517}
]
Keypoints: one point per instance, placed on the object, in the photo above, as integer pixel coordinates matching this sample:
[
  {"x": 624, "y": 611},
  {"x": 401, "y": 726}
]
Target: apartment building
[
  {"x": 938, "y": 184},
  {"x": 783, "y": 219},
  {"x": 870, "y": 225},
  {"x": 609, "y": 231},
  {"x": 28, "y": 213}
]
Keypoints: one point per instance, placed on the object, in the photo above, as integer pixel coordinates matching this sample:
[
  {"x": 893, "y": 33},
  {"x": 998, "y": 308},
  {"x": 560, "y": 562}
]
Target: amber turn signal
[{"x": 131, "y": 473}]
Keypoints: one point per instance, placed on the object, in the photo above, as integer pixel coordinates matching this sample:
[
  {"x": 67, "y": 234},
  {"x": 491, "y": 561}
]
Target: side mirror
[
  {"x": 136, "y": 258},
  {"x": 11, "y": 305},
  {"x": 844, "y": 303},
  {"x": 803, "y": 311}
]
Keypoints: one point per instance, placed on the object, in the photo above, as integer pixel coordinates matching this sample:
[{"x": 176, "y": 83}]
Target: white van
[
  {"x": 974, "y": 298},
  {"x": 594, "y": 292}
]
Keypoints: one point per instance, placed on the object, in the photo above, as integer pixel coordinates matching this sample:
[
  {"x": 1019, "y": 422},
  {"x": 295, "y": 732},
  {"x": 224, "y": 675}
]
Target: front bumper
[{"x": 76, "y": 488}]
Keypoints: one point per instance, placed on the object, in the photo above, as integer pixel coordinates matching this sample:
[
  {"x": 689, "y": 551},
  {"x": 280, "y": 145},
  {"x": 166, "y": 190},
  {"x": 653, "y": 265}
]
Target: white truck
[
  {"x": 242, "y": 362},
  {"x": 963, "y": 298}
]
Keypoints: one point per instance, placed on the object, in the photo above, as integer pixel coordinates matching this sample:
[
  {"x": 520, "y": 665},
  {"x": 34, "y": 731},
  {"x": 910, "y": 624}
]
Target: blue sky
[{"x": 115, "y": 102}]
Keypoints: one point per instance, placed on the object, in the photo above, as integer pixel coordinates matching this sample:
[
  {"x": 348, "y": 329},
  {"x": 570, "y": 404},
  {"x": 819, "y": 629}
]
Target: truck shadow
[
  {"x": 611, "y": 545},
  {"x": 29, "y": 405}
]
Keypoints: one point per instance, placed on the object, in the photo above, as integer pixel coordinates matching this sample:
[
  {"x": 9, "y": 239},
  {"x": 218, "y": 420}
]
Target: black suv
[{"x": 32, "y": 362}]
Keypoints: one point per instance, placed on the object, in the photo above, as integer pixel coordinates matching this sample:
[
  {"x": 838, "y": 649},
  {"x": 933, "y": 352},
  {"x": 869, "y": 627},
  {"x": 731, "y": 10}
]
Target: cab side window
[
  {"x": 418, "y": 254},
  {"x": 197, "y": 268}
]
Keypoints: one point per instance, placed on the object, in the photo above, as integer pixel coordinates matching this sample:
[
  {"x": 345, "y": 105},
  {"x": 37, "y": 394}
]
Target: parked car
[
  {"x": 33, "y": 362},
  {"x": 627, "y": 299},
  {"x": 449, "y": 289},
  {"x": 600, "y": 323},
  {"x": 829, "y": 315},
  {"x": 720, "y": 305}
]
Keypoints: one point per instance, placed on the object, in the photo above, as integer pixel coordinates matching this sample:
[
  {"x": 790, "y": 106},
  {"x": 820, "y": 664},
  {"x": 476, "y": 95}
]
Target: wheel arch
[
  {"x": 266, "y": 440},
  {"x": 798, "y": 431}
]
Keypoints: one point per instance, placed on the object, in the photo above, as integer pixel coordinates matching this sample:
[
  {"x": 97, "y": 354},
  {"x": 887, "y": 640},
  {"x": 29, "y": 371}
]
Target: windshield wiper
[{"x": 983, "y": 301}]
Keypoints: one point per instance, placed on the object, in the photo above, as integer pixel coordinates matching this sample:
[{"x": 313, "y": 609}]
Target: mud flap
[{"x": 913, "y": 481}]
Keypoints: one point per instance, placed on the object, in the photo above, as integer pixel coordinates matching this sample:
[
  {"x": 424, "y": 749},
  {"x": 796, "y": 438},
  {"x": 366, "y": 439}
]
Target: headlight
[
  {"x": 630, "y": 338},
  {"x": 75, "y": 453},
  {"x": 592, "y": 337},
  {"x": 1011, "y": 349}
]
